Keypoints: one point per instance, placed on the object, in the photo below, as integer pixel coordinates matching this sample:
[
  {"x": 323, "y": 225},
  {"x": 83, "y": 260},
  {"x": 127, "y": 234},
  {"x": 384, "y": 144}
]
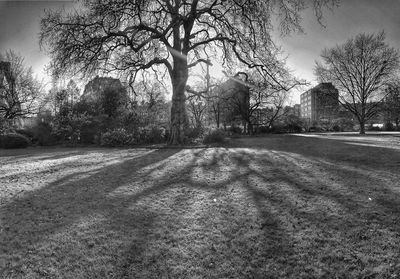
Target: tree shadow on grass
[
  {"x": 256, "y": 212},
  {"x": 37, "y": 216},
  {"x": 227, "y": 233},
  {"x": 307, "y": 222},
  {"x": 182, "y": 225},
  {"x": 344, "y": 216}
]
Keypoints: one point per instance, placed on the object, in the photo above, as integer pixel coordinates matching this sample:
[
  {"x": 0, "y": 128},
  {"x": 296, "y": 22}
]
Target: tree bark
[
  {"x": 179, "y": 118},
  {"x": 362, "y": 127},
  {"x": 217, "y": 115},
  {"x": 250, "y": 128}
]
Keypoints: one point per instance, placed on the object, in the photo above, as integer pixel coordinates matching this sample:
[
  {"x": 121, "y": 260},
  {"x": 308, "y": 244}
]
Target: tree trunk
[
  {"x": 179, "y": 118},
  {"x": 217, "y": 116},
  {"x": 250, "y": 128},
  {"x": 362, "y": 127}
]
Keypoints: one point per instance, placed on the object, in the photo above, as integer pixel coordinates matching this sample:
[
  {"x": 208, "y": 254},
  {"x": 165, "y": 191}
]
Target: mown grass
[{"x": 269, "y": 207}]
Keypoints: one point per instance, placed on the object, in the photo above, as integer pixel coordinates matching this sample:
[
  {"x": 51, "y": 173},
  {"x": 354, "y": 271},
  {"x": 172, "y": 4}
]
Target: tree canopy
[
  {"x": 170, "y": 35},
  {"x": 104, "y": 95}
]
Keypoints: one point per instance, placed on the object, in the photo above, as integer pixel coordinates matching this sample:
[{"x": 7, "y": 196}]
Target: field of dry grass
[{"x": 282, "y": 206}]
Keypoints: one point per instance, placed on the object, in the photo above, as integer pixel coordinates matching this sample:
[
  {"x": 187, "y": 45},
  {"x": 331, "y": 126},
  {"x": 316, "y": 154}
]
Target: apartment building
[{"x": 320, "y": 103}]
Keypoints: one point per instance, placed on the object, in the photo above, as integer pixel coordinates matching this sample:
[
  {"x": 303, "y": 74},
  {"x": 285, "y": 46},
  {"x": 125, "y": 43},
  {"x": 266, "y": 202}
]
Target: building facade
[{"x": 320, "y": 103}]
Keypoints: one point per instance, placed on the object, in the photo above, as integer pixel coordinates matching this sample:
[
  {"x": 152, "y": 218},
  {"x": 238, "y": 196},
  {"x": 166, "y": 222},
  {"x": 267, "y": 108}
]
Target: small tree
[
  {"x": 360, "y": 69},
  {"x": 276, "y": 106},
  {"x": 197, "y": 109},
  {"x": 215, "y": 105}
]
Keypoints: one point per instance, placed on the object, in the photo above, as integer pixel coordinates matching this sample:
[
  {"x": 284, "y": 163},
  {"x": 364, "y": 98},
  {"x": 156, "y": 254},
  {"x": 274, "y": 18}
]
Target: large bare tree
[
  {"x": 360, "y": 68},
  {"x": 131, "y": 36}
]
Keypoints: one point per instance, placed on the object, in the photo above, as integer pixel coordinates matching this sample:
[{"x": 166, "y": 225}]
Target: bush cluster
[
  {"x": 194, "y": 135},
  {"x": 117, "y": 137},
  {"x": 122, "y": 137},
  {"x": 235, "y": 130},
  {"x": 151, "y": 134},
  {"x": 214, "y": 136},
  {"x": 26, "y": 132},
  {"x": 278, "y": 129},
  {"x": 44, "y": 134},
  {"x": 387, "y": 127},
  {"x": 13, "y": 141}
]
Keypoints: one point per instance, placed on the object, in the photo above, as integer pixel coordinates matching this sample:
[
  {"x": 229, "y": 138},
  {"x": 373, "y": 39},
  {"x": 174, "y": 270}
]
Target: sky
[
  {"x": 349, "y": 19},
  {"x": 19, "y": 29},
  {"x": 20, "y": 26}
]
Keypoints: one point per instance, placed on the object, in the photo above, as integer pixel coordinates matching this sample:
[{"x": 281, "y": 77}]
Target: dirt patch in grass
[{"x": 271, "y": 207}]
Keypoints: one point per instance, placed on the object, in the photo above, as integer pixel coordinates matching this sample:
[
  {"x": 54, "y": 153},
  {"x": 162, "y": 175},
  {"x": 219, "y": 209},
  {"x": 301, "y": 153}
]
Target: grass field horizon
[{"x": 279, "y": 206}]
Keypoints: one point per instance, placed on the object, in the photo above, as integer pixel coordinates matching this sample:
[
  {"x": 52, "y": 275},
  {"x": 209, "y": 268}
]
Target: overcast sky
[{"x": 19, "y": 28}]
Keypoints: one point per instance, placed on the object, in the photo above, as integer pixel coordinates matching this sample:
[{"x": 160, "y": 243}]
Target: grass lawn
[{"x": 280, "y": 206}]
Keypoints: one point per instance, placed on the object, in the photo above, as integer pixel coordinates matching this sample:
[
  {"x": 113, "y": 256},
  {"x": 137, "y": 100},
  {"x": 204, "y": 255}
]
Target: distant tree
[
  {"x": 20, "y": 91},
  {"x": 275, "y": 110},
  {"x": 392, "y": 103},
  {"x": 246, "y": 93},
  {"x": 202, "y": 101},
  {"x": 153, "y": 94},
  {"x": 169, "y": 35},
  {"x": 61, "y": 98},
  {"x": 197, "y": 111},
  {"x": 73, "y": 92},
  {"x": 151, "y": 107},
  {"x": 360, "y": 68},
  {"x": 293, "y": 123},
  {"x": 215, "y": 104},
  {"x": 104, "y": 95},
  {"x": 62, "y": 101}
]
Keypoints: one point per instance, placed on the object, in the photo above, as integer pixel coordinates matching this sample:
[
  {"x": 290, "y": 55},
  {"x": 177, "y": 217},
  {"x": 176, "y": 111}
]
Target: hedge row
[{"x": 13, "y": 141}]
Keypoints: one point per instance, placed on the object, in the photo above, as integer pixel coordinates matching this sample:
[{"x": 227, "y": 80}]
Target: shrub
[
  {"x": 235, "y": 130},
  {"x": 214, "y": 136},
  {"x": 43, "y": 134},
  {"x": 336, "y": 128},
  {"x": 25, "y": 132},
  {"x": 89, "y": 133},
  {"x": 278, "y": 129},
  {"x": 150, "y": 134},
  {"x": 154, "y": 134},
  {"x": 294, "y": 128},
  {"x": 61, "y": 134},
  {"x": 13, "y": 141},
  {"x": 374, "y": 128},
  {"x": 346, "y": 125},
  {"x": 389, "y": 126},
  {"x": 117, "y": 137},
  {"x": 263, "y": 129},
  {"x": 195, "y": 134},
  {"x": 316, "y": 129}
]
